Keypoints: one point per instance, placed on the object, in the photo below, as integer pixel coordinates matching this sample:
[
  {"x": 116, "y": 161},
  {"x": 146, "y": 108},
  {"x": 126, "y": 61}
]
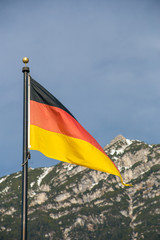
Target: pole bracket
[{"x": 28, "y": 157}]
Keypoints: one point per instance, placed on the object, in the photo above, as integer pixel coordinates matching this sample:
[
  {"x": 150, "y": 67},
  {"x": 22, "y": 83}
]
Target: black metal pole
[{"x": 25, "y": 70}]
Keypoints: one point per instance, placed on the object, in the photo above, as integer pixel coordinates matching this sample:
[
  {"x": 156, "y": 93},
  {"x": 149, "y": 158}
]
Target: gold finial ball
[{"x": 25, "y": 60}]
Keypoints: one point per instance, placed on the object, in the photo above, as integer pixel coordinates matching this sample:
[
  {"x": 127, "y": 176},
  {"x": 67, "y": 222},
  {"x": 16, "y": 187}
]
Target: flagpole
[{"x": 26, "y": 154}]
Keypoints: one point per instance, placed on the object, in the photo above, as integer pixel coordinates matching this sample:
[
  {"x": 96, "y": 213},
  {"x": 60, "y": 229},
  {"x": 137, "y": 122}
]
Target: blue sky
[{"x": 99, "y": 58}]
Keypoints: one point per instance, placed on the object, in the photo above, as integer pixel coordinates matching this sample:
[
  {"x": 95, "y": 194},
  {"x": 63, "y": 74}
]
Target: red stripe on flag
[{"x": 57, "y": 120}]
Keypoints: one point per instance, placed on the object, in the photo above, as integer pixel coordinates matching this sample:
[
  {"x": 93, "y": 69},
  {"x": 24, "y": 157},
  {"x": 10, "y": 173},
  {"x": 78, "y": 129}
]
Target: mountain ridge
[{"x": 72, "y": 202}]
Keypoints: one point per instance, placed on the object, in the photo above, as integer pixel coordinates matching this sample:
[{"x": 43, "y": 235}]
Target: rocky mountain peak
[
  {"x": 117, "y": 146},
  {"x": 118, "y": 138}
]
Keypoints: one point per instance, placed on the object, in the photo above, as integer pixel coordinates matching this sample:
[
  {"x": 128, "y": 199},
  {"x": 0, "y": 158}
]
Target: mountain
[{"x": 67, "y": 202}]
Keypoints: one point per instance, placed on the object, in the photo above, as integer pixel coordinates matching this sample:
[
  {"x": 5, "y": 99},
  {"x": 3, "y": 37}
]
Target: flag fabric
[{"x": 56, "y": 133}]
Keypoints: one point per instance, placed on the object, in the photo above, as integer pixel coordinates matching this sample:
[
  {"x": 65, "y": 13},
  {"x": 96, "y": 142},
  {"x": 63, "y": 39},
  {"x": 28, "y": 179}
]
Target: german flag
[{"x": 56, "y": 133}]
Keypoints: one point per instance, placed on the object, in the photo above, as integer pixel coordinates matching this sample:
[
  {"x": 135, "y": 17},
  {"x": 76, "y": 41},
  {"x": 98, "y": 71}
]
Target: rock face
[{"x": 67, "y": 202}]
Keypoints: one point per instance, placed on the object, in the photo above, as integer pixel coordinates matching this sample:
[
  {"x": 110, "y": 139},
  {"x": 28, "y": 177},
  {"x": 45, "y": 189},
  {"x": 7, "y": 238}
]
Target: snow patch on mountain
[
  {"x": 19, "y": 175},
  {"x": 31, "y": 184},
  {"x": 6, "y": 189},
  {"x": 46, "y": 171},
  {"x": 3, "y": 179}
]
